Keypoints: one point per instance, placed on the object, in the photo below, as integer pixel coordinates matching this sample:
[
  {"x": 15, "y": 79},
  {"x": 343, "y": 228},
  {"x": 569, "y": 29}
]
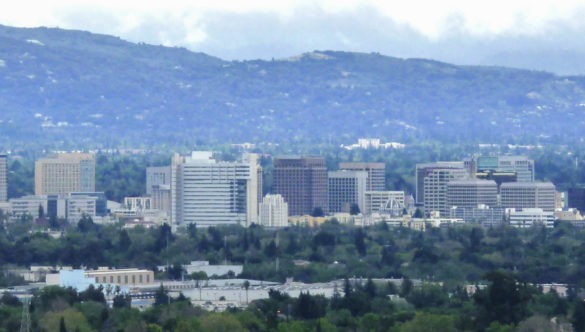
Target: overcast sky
[{"x": 533, "y": 34}]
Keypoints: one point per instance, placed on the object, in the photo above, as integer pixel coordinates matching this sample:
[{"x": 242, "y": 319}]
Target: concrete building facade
[
  {"x": 428, "y": 169},
  {"x": 433, "y": 180},
  {"x": 528, "y": 217},
  {"x": 69, "y": 207},
  {"x": 273, "y": 211},
  {"x": 64, "y": 173},
  {"x": 302, "y": 182},
  {"x": 521, "y": 195},
  {"x": 471, "y": 193},
  {"x": 376, "y": 173},
  {"x": 345, "y": 189},
  {"x": 157, "y": 176},
  {"x": 210, "y": 192}
]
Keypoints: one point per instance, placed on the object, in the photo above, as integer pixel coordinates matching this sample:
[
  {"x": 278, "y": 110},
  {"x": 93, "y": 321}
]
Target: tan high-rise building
[{"x": 65, "y": 173}]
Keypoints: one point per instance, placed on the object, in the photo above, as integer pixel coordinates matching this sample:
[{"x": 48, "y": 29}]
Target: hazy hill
[{"x": 66, "y": 88}]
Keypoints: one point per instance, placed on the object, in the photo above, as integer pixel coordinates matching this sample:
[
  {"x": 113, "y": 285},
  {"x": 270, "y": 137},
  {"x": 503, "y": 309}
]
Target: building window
[
  {"x": 126, "y": 280},
  {"x": 111, "y": 279},
  {"x": 140, "y": 278},
  {"x": 133, "y": 279},
  {"x": 148, "y": 278},
  {"x": 104, "y": 279},
  {"x": 119, "y": 280},
  {"x": 97, "y": 280}
]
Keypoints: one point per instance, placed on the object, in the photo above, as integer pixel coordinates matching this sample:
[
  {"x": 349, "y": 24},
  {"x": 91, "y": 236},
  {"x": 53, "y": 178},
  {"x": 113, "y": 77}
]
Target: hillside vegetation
[{"x": 70, "y": 89}]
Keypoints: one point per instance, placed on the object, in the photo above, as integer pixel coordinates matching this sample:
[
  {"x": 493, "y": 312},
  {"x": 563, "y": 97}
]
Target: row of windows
[{"x": 125, "y": 278}]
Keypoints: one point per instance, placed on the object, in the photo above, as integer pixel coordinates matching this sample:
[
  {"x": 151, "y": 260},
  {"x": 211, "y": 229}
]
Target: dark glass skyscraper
[{"x": 302, "y": 182}]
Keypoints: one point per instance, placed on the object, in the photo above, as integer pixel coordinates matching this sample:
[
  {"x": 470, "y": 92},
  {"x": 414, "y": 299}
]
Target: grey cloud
[{"x": 264, "y": 36}]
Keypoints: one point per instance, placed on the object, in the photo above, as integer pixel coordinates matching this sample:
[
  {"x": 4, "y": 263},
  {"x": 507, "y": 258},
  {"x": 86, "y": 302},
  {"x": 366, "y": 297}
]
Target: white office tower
[
  {"x": 210, "y": 192},
  {"x": 273, "y": 211}
]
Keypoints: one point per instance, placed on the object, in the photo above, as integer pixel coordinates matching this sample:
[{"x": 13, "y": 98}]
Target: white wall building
[
  {"x": 273, "y": 211},
  {"x": 523, "y": 218},
  {"x": 210, "y": 192}
]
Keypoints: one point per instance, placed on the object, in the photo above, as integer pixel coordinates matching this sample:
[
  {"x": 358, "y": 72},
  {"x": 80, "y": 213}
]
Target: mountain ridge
[{"x": 76, "y": 89}]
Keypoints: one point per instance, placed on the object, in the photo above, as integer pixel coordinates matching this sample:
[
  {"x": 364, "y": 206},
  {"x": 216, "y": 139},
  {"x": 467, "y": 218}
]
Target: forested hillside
[{"x": 72, "y": 89}]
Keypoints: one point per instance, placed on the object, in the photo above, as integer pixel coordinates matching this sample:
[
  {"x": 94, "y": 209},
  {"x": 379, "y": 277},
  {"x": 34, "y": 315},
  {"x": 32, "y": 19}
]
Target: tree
[
  {"x": 122, "y": 301},
  {"x": 85, "y": 224},
  {"x": 424, "y": 322},
  {"x": 161, "y": 297},
  {"x": 354, "y": 209},
  {"x": 359, "y": 241},
  {"x": 246, "y": 286},
  {"x": 578, "y": 317},
  {"x": 418, "y": 213},
  {"x": 505, "y": 300},
  {"x": 62, "y": 327},
  {"x": 406, "y": 287},
  {"x": 318, "y": 212}
]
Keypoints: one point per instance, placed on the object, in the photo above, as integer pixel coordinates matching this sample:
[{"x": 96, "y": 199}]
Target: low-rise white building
[
  {"x": 213, "y": 270},
  {"x": 528, "y": 217}
]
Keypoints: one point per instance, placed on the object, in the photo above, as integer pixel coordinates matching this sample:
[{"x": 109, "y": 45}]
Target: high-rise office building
[
  {"x": 65, "y": 173},
  {"x": 302, "y": 182},
  {"x": 521, "y": 195},
  {"x": 376, "y": 173},
  {"x": 471, "y": 193},
  {"x": 345, "y": 189},
  {"x": 273, "y": 211},
  {"x": 210, "y": 192},
  {"x": 428, "y": 169},
  {"x": 157, "y": 176},
  {"x": 522, "y": 166},
  {"x": 435, "y": 187},
  {"x": 3, "y": 178}
]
